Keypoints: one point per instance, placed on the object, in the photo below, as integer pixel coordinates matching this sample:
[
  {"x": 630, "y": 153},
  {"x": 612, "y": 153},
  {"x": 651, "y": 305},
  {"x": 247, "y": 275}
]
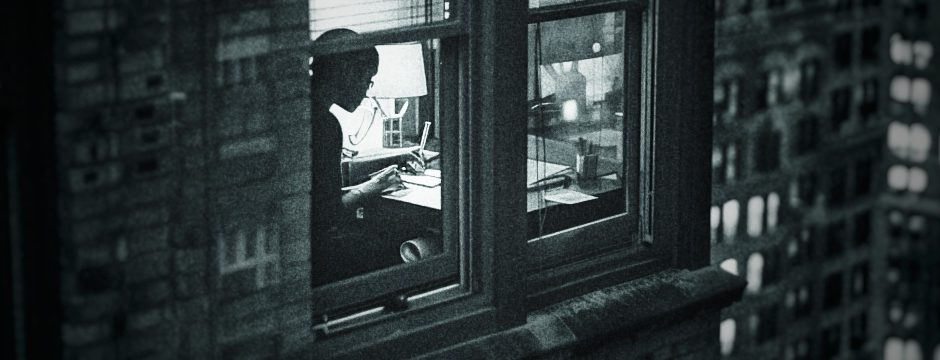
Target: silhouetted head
[{"x": 342, "y": 78}]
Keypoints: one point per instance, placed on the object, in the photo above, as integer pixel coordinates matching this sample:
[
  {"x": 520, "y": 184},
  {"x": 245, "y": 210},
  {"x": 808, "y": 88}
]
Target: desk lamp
[{"x": 400, "y": 75}]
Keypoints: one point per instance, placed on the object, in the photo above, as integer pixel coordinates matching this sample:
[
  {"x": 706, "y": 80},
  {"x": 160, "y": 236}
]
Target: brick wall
[{"x": 182, "y": 136}]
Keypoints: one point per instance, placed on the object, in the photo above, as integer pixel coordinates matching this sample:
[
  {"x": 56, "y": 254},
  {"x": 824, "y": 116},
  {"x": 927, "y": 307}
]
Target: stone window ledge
[{"x": 620, "y": 311}]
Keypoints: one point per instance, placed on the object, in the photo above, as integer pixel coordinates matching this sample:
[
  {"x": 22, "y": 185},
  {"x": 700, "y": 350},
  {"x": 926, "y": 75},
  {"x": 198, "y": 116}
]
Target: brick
[
  {"x": 83, "y": 47},
  {"x": 157, "y": 342},
  {"x": 94, "y": 177},
  {"x": 149, "y": 59},
  {"x": 93, "y": 255},
  {"x": 92, "y": 307},
  {"x": 261, "y": 347},
  {"x": 194, "y": 340},
  {"x": 82, "y": 72},
  {"x": 85, "y": 96},
  {"x": 296, "y": 251},
  {"x": 297, "y": 271},
  {"x": 243, "y": 21},
  {"x": 84, "y": 334},
  {"x": 187, "y": 261},
  {"x": 147, "y": 240},
  {"x": 246, "y": 147},
  {"x": 99, "y": 279},
  {"x": 149, "y": 216},
  {"x": 294, "y": 183},
  {"x": 151, "y": 137},
  {"x": 238, "y": 329},
  {"x": 240, "y": 47},
  {"x": 149, "y": 294},
  {"x": 103, "y": 351},
  {"x": 141, "y": 320},
  {"x": 84, "y": 21},
  {"x": 243, "y": 170},
  {"x": 148, "y": 267},
  {"x": 189, "y": 285},
  {"x": 239, "y": 283}
]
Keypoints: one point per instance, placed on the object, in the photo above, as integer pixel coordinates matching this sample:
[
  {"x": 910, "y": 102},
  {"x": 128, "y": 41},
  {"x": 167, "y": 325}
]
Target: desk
[{"x": 424, "y": 203}]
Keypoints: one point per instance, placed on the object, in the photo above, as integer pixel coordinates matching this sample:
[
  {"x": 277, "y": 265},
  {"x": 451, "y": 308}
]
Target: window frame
[
  {"x": 472, "y": 309},
  {"x": 673, "y": 212},
  {"x": 676, "y": 61}
]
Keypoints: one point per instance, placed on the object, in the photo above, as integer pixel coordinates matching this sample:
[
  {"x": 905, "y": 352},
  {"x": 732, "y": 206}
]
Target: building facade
[{"x": 825, "y": 142}]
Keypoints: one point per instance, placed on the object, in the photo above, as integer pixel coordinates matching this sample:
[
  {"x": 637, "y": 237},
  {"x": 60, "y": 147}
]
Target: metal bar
[{"x": 576, "y": 9}]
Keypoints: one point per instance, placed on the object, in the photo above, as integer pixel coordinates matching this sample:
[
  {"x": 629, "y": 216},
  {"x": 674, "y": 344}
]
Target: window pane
[
  {"x": 377, "y": 174},
  {"x": 373, "y": 15},
  {"x": 576, "y": 128},
  {"x": 534, "y": 4}
]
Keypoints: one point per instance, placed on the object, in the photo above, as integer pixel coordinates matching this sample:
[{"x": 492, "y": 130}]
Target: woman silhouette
[{"x": 339, "y": 247}]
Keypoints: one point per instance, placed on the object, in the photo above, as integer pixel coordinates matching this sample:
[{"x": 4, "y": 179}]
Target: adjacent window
[{"x": 582, "y": 160}]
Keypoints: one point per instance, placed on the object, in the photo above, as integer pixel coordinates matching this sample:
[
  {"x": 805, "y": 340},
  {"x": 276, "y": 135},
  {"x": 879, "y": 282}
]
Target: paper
[
  {"x": 423, "y": 180},
  {"x": 418, "y": 195},
  {"x": 537, "y": 170},
  {"x": 567, "y": 196}
]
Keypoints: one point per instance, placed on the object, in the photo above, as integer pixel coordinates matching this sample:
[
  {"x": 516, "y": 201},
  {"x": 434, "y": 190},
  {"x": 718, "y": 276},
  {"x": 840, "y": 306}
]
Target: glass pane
[
  {"x": 576, "y": 132},
  {"x": 373, "y": 15},
  {"x": 376, "y": 174},
  {"x": 533, "y": 4}
]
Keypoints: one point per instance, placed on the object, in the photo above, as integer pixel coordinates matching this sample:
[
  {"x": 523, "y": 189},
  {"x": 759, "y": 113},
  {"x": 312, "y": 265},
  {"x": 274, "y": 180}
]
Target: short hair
[{"x": 336, "y": 66}]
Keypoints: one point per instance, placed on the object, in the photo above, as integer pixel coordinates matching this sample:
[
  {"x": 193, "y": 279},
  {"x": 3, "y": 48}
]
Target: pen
[{"x": 373, "y": 174}]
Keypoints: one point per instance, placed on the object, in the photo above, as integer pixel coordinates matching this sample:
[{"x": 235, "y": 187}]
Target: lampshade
[{"x": 401, "y": 72}]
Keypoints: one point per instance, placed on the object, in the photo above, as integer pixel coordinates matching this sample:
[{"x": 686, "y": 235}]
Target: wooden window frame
[{"x": 675, "y": 61}]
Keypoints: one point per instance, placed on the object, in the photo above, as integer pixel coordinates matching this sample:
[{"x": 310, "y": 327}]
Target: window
[
  {"x": 755, "y": 269},
  {"x": 863, "y": 174},
  {"x": 837, "y": 186},
  {"x": 583, "y": 130},
  {"x": 394, "y": 98},
  {"x": 840, "y": 100},
  {"x": 871, "y": 37},
  {"x": 775, "y": 93},
  {"x": 832, "y": 295},
  {"x": 755, "y": 216},
  {"x": 842, "y": 50},
  {"x": 726, "y": 97},
  {"x": 767, "y": 327},
  {"x": 859, "y": 280},
  {"x": 809, "y": 79},
  {"x": 730, "y": 265},
  {"x": 832, "y": 342},
  {"x": 807, "y": 134},
  {"x": 729, "y": 219},
  {"x": 587, "y": 167},
  {"x": 727, "y": 332},
  {"x": 806, "y": 184},
  {"x": 858, "y": 330},
  {"x": 868, "y": 105},
  {"x": 862, "y": 228},
  {"x": 767, "y": 146},
  {"x": 835, "y": 239},
  {"x": 578, "y": 208}
]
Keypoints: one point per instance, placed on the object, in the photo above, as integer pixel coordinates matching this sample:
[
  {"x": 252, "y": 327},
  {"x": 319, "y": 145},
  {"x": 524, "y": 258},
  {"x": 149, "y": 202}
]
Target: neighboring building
[{"x": 825, "y": 144}]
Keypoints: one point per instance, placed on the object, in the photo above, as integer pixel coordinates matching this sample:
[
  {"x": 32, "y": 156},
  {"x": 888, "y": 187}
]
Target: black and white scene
[{"x": 470, "y": 179}]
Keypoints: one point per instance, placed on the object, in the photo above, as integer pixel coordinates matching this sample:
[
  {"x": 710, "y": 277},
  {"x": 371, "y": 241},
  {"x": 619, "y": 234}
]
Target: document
[{"x": 567, "y": 196}]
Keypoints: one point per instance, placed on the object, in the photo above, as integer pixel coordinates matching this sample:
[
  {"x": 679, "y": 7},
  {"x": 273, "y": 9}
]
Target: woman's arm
[{"x": 371, "y": 188}]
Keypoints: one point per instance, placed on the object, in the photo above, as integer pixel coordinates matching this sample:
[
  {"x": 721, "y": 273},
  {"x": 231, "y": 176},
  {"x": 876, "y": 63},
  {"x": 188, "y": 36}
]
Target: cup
[
  {"x": 419, "y": 249},
  {"x": 586, "y": 166}
]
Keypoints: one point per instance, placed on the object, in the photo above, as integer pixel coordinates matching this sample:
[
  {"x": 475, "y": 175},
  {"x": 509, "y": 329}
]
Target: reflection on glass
[
  {"x": 376, "y": 179},
  {"x": 575, "y": 124}
]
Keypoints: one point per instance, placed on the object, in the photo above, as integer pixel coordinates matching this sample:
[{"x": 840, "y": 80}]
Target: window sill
[{"x": 623, "y": 311}]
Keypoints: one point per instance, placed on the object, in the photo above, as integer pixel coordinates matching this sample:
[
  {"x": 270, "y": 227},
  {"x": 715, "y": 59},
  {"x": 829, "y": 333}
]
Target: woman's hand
[{"x": 385, "y": 179}]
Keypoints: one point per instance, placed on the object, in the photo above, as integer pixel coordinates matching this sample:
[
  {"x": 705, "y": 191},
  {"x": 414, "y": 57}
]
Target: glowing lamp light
[{"x": 569, "y": 110}]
